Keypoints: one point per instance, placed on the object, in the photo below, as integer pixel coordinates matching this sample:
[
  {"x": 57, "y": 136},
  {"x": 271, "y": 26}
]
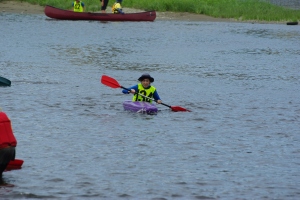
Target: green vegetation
[
  {"x": 90, "y": 5},
  {"x": 238, "y": 9}
]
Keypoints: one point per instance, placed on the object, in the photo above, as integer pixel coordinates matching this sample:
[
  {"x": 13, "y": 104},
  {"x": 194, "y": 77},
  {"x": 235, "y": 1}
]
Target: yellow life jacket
[
  {"x": 78, "y": 7},
  {"x": 146, "y": 92},
  {"x": 115, "y": 8}
]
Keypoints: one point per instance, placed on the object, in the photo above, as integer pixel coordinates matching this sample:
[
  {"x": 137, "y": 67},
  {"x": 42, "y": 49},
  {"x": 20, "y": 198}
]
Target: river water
[{"x": 240, "y": 80}]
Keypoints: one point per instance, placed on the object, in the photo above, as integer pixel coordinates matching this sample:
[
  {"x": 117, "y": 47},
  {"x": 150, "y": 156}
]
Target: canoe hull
[
  {"x": 61, "y": 14},
  {"x": 140, "y": 107}
]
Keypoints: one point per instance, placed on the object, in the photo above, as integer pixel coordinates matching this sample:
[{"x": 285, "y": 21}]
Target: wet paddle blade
[
  {"x": 15, "y": 164},
  {"x": 110, "y": 82},
  {"x": 179, "y": 109}
]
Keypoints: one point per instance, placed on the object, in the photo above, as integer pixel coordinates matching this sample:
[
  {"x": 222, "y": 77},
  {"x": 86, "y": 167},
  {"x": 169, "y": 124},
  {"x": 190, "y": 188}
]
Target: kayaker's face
[{"x": 145, "y": 83}]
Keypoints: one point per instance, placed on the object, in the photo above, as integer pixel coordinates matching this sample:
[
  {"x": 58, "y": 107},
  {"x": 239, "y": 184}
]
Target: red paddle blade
[
  {"x": 109, "y": 81},
  {"x": 179, "y": 109},
  {"x": 15, "y": 164}
]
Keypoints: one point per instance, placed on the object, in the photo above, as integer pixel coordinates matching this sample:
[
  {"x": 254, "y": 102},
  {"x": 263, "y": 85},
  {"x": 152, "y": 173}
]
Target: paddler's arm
[
  {"x": 120, "y": 11},
  {"x": 133, "y": 90},
  {"x": 83, "y": 8},
  {"x": 156, "y": 97},
  {"x": 72, "y": 9}
]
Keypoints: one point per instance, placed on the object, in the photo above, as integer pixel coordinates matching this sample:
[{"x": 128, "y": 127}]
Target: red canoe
[
  {"x": 57, "y": 13},
  {"x": 14, "y": 164}
]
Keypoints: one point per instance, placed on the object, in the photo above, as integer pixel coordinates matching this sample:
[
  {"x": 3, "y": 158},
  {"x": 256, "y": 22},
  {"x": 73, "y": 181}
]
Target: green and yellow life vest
[
  {"x": 146, "y": 92},
  {"x": 78, "y": 7}
]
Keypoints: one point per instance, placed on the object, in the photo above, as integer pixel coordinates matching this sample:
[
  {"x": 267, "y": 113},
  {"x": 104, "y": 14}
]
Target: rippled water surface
[{"x": 241, "y": 81}]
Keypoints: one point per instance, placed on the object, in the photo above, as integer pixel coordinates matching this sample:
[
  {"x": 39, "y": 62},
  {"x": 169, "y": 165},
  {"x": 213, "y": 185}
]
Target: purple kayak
[{"x": 140, "y": 107}]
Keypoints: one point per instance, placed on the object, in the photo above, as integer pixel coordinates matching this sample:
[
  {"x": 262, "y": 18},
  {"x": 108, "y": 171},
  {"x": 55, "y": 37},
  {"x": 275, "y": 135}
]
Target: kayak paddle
[
  {"x": 4, "y": 82},
  {"x": 111, "y": 82}
]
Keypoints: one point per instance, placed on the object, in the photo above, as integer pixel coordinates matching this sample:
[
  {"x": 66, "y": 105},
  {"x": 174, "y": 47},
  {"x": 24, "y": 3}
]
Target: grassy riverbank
[
  {"x": 258, "y": 10},
  {"x": 237, "y": 9}
]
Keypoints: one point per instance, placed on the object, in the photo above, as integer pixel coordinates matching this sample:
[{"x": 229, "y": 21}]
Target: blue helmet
[{"x": 119, "y": 1}]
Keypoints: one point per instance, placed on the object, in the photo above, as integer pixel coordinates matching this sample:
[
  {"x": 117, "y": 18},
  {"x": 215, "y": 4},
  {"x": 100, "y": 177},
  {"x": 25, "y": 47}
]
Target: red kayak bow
[{"x": 113, "y": 83}]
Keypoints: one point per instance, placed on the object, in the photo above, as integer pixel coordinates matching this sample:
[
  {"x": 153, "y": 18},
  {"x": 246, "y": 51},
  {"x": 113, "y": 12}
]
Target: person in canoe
[
  {"x": 145, "y": 88},
  {"x": 117, "y": 7},
  {"x": 103, "y": 4},
  {"x": 8, "y": 142},
  {"x": 78, "y": 6}
]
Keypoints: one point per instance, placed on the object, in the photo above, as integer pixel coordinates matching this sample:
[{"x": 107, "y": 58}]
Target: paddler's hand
[
  {"x": 132, "y": 91},
  {"x": 158, "y": 101}
]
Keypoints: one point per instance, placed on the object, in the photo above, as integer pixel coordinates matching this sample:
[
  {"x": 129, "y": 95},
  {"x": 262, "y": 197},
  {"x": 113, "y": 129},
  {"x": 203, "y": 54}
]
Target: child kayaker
[
  {"x": 78, "y": 6},
  {"x": 145, "y": 88},
  {"x": 117, "y": 8}
]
